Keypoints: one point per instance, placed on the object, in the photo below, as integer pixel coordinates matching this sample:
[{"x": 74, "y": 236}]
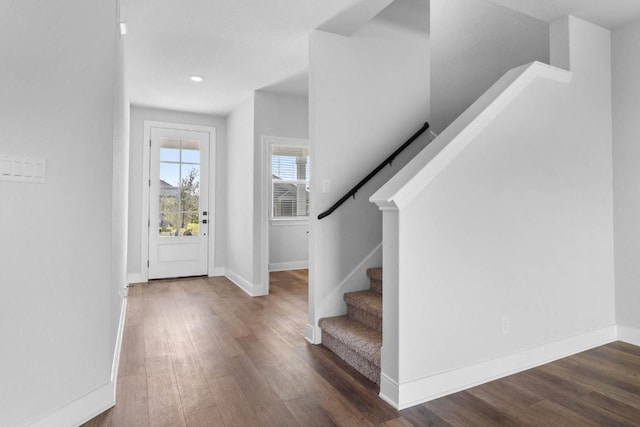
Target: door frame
[
  {"x": 265, "y": 164},
  {"x": 146, "y": 164}
]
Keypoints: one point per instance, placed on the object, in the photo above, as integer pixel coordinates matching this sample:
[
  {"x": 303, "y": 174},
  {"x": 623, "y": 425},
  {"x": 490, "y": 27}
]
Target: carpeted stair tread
[
  {"x": 368, "y": 301},
  {"x": 358, "y": 337}
]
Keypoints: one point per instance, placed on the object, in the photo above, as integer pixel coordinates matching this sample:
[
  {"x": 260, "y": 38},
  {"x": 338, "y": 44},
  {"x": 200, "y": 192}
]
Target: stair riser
[
  {"x": 369, "y": 319},
  {"x": 376, "y": 285},
  {"x": 359, "y": 363}
]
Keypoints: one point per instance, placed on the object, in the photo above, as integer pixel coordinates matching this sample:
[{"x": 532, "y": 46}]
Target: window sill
[{"x": 289, "y": 221}]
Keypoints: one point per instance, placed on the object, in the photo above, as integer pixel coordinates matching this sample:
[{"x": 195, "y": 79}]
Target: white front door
[{"x": 178, "y": 203}]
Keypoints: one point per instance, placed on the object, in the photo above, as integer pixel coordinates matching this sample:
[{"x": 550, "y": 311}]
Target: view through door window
[{"x": 179, "y": 187}]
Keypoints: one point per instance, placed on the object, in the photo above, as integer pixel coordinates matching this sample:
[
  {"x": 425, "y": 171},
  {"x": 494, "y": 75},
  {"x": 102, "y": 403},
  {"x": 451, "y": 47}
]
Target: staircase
[{"x": 357, "y": 337}]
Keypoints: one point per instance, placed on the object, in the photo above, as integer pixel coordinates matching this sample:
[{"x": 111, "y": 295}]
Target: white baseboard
[
  {"x": 284, "y": 266},
  {"x": 425, "y": 389},
  {"x": 118, "y": 348},
  {"x": 629, "y": 335},
  {"x": 136, "y": 278},
  {"x": 250, "y": 288},
  {"x": 389, "y": 390},
  {"x": 217, "y": 272},
  {"x": 309, "y": 333},
  {"x": 81, "y": 410}
]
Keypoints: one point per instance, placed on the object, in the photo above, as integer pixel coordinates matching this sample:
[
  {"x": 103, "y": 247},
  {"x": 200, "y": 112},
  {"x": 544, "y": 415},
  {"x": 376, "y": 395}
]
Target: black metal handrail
[{"x": 388, "y": 161}]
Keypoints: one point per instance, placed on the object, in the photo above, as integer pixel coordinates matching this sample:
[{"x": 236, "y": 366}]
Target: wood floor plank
[
  {"x": 204, "y": 417},
  {"x": 232, "y": 404},
  {"x": 421, "y": 416},
  {"x": 132, "y": 406},
  {"x": 252, "y": 381},
  {"x": 200, "y": 352},
  {"x": 275, "y": 414},
  {"x": 309, "y": 413},
  {"x": 548, "y": 413},
  {"x": 398, "y": 422},
  {"x": 165, "y": 408},
  {"x": 465, "y": 409},
  {"x": 194, "y": 392},
  {"x": 132, "y": 356},
  {"x": 603, "y": 387},
  {"x": 569, "y": 396}
]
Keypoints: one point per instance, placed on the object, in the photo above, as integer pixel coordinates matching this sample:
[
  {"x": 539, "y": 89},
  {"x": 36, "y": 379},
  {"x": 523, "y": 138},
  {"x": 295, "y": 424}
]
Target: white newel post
[{"x": 389, "y": 375}]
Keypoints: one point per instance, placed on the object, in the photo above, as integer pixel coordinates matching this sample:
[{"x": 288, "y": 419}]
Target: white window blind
[{"x": 289, "y": 181}]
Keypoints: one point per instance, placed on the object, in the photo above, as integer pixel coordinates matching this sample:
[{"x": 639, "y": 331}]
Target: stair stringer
[{"x": 334, "y": 305}]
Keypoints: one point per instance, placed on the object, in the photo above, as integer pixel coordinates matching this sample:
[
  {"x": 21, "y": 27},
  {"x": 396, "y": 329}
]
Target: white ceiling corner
[{"x": 609, "y": 14}]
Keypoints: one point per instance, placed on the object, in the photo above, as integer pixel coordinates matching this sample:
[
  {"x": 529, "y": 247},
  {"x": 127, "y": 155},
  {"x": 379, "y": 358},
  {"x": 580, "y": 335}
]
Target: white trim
[
  {"x": 136, "y": 277},
  {"x": 629, "y": 335},
  {"x": 291, "y": 221},
  {"x": 124, "y": 292},
  {"x": 422, "y": 390},
  {"x": 218, "y": 271},
  {"x": 251, "y": 289},
  {"x": 333, "y": 304},
  {"x": 118, "y": 348},
  {"x": 389, "y": 390},
  {"x": 309, "y": 332},
  {"x": 284, "y": 266},
  {"x": 144, "y": 217},
  {"x": 427, "y": 164},
  {"x": 264, "y": 171},
  {"x": 81, "y": 410}
]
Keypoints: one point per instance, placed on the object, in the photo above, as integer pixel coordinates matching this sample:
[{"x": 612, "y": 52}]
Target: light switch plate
[{"x": 22, "y": 169}]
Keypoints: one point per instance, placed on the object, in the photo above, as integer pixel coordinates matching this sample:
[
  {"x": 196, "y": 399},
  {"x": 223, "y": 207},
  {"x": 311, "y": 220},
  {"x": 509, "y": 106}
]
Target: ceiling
[
  {"x": 610, "y": 14},
  {"x": 244, "y": 45},
  {"x": 238, "y": 46}
]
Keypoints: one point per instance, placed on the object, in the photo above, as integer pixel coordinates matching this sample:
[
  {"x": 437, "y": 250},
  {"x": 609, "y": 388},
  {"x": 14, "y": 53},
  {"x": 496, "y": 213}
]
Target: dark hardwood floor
[{"x": 200, "y": 352}]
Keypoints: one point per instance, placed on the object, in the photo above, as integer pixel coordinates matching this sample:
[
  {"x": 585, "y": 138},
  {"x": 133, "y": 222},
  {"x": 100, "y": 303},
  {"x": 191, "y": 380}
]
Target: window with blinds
[{"x": 289, "y": 182}]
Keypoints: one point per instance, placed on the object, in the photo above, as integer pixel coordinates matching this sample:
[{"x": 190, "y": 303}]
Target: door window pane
[
  {"x": 169, "y": 150},
  {"x": 168, "y": 223},
  {"x": 190, "y": 188},
  {"x": 179, "y": 195},
  {"x": 190, "y": 223},
  {"x": 170, "y": 175},
  {"x": 190, "y": 156}
]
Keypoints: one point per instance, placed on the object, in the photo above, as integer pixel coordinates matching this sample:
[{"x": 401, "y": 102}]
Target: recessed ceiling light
[
  {"x": 123, "y": 28},
  {"x": 197, "y": 79}
]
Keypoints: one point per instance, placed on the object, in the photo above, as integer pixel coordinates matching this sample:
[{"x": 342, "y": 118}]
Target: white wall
[
  {"x": 242, "y": 236},
  {"x": 626, "y": 158},
  {"x": 473, "y": 43},
  {"x": 55, "y": 252},
  {"x": 519, "y": 225},
  {"x": 368, "y": 94},
  {"x": 288, "y": 246},
  {"x": 136, "y": 262},
  {"x": 286, "y": 116}
]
